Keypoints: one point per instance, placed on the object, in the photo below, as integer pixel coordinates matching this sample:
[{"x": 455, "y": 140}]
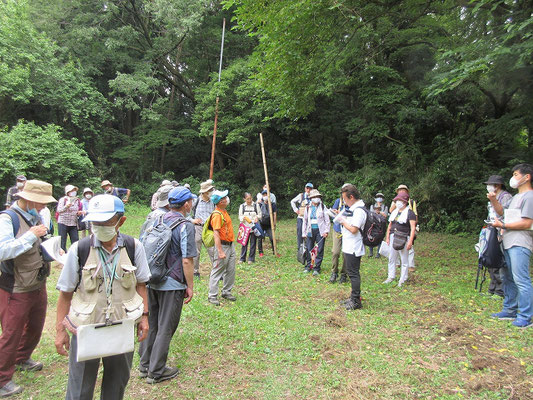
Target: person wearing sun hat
[
  {"x": 122, "y": 193},
  {"x": 162, "y": 207},
  {"x": 155, "y": 196},
  {"x": 88, "y": 282},
  {"x": 86, "y": 196},
  {"x": 12, "y": 192},
  {"x": 379, "y": 208},
  {"x": 298, "y": 205},
  {"x": 69, "y": 207},
  {"x": 201, "y": 210},
  {"x": 23, "y": 297},
  {"x": 412, "y": 206},
  {"x": 315, "y": 229},
  {"x": 225, "y": 258}
]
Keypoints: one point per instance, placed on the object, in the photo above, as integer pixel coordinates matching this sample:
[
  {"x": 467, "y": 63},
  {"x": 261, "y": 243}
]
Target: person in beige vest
[
  {"x": 23, "y": 297},
  {"x": 113, "y": 271}
]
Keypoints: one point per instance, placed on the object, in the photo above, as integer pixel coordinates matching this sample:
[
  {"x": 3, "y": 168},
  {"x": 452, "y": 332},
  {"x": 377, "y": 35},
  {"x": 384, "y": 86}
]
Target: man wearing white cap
[
  {"x": 103, "y": 281},
  {"x": 23, "y": 297}
]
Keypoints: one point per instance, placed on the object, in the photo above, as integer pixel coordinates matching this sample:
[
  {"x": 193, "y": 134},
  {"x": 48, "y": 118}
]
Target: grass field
[{"x": 287, "y": 336}]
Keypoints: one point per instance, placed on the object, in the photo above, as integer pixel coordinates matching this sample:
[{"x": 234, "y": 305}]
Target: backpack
[
  {"x": 208, "y": 236},
  {"x": 156, "y": 241},
  {"x": 375, "y": 228},
  {"x": 84, "y": 248},
  {"x": 265, "y": 215},
  {"x": 491, "y": 256},
  {"x": 14, "y": 220}
]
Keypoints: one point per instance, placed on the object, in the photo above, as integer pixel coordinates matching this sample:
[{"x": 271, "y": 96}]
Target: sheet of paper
[
  {"x": 513, "y": 215},
  {"x": 53, "y": 246}
]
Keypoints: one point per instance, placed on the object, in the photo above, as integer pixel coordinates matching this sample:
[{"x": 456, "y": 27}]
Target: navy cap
[{"x": 180, "y": 194}]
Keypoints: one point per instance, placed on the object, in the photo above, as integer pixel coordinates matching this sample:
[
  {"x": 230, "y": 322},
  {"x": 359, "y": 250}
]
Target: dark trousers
[
  {"x": 371, "y": 250},
  {"x": 22, "y": 318},
  {"x": 496, "y": 284},
  {"x": 353, "y": 264},
  {"x": 252, "y": 239},
  {"x": 72, "y": 231},
  {"x": 268, "y": 232},
  {"x": 165, "y": 312},
  {"x": 311, "y": 241},
  {"x": 299, "y": 238},
  {"x": 82, "y": 375}
]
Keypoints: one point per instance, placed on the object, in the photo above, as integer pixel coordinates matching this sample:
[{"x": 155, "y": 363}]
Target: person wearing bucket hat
[
  {"x": 201, "y": 210},
  {"x": 400, "y": 237},
  {"x": 498, "y": 200},
  {"x": 122, "y": 193},
  {"x": 225, "y": 258},
  {"x": 266, "y": 224},
  {"x": 412, "y": 206},
  {"x": 167, "y": 297},
  {"x": 379, "y": 208},
  {"x": 155, "y": 196},
  {"x": 12, "y": 191},
  {"x": 315, "y": 230},
  {"x": 68, "y": 209},
  {"x": 162, "y": 207},
  {"x": 23, "y": 298},
  {"x": 88, "y": 281},
  {"x": 298, "y": 205},
  {"x": 336, "y": 249},
  {"x": 86, "y": 197}
]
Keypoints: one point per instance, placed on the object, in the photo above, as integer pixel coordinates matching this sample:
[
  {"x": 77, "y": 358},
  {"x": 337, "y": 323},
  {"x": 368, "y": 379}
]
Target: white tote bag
[
  {"x": 98, "y": 340},
  {"x": 384, "y": 249}
]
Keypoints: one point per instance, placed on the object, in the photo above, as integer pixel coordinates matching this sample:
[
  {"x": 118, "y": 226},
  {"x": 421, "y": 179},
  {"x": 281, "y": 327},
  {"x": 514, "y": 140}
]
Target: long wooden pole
[
  {"x": 268, "y": 194},
  {"x": 213, "y": 145}
]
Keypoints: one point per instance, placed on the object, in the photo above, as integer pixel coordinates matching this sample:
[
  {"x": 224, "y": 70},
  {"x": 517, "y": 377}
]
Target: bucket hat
[
  {"x": 38, "y": 191},
  {"x": 206, "y": 186}
]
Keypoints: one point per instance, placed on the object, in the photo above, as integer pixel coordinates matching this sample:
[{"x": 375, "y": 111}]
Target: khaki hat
[
  {"x": 37, "y": 191},
  {"x": 162, "y": 199},
  {"x": 70, "y": 188},
  {"x": 402, "y": 187},
  {"x": 105, "y": 183},
  {"x": 314, "y": 193},
  {"x": 206, "y": 186},
  {"x": 166, "y": 182}
]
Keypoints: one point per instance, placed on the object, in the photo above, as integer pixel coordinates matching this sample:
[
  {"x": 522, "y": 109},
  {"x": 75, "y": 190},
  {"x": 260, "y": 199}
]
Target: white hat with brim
[
  {"x": 103, "y": 207},
  {"x": 37, "y": 191},
  {"x": 87, "y": 190},
  {"x": 314, "y": 193},
  {"x": 206, "y": 186},
  {"x": 162, "y": 198},
  {"x": 70, "y": 188}
]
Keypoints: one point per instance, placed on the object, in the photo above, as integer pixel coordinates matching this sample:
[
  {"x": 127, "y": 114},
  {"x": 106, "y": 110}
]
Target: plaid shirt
[
  {"x": 68, "y": 216},
  {"x": 203, "y": 209}
]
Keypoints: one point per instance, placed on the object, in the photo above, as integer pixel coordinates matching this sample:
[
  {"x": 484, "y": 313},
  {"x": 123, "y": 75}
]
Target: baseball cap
[
  {"x": 103, "y": 207},
  {"x": 218, "y": 195},
  {"x": 309, "y": 185},
  {"x": 21, "y": 178},
  {"x": 180, "y": 194}
]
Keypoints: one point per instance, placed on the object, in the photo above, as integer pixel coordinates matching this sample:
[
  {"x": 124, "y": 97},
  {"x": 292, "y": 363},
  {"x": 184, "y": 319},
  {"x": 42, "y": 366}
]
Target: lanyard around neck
[{"x": 109, "y": 268}]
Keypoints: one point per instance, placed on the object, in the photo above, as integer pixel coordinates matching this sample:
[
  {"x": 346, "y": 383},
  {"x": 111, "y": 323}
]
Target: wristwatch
[{"x": 503, "y": 225}]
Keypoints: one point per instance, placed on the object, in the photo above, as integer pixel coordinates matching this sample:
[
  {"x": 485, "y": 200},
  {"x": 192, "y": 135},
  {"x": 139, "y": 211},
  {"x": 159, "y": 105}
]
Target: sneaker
[
  {"x": 503, "y": 315},
  {"x": 343, "y": 278},
  {"x": 167, "y": 374},
  {"x": 353, "y": 305},
  {"x": 143, "y": 372},
  {"x": 229, "y": 297},
  {"x": 378, "y": 255},
  {"x": 522, "y": 323},
  {"x": 306, "y": 270},
  {"x": 387, "y": 281},
  {"x": 10, "y": 389},
  {"x": 316, "y": 273},
  {"x": 333, "y": 278},
  {"x": 215, "y": 302},
  {"x": 400, "y": 283},
  {"x": 30, "y": 365}
]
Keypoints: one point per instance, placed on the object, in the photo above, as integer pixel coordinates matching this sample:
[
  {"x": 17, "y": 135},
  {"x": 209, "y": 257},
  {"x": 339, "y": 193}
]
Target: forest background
[{"x": 437, "y": 95}]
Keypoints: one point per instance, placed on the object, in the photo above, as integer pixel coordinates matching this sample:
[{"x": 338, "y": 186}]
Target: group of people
[{"x": 106, "y": 282}]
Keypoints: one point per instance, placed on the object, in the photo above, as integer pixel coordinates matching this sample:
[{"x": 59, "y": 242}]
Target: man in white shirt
[{"x": 353, "y": 221}]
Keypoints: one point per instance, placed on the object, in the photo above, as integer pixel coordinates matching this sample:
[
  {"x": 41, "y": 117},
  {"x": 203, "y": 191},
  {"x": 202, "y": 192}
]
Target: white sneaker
[
  {"x": 388, "y": 280},
  {"x": 400, "y": 283}
]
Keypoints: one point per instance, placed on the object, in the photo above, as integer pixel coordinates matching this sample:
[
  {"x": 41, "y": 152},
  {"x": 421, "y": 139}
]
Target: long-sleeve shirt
[
  {"x": 68, "y": 215},
  {"x": 251, "y": 211},
  {"x": 9, "y": 246},
  {"x": 301, "y": 200}
]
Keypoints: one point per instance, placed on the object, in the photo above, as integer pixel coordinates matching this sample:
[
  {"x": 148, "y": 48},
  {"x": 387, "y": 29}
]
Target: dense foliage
[{"x": 433, "y": 94}]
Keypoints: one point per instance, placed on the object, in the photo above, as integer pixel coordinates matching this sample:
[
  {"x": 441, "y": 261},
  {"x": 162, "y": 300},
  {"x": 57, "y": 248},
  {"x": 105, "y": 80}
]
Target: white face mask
[
  {"x": 110, "y": 190},
  {"x": 400, "y": 204},
  {"x": 379, "y": 199},
  {"x": 104, "y": 233},
  {"x": 491, "y": 188},
  {"x": 20, "y": 185},
  {"x": 88, "y": 196},
  {"x": 315, "y": 200},
  {"x": 73, "y": 194},
  {"x": 515, "y": 183},
  {"x": 227, "y": 201}
]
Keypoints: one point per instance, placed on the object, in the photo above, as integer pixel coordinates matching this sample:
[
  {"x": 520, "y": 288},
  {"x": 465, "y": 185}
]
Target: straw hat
[
  {"x": 105, "y": 183},
  {"x": 37, "y": 191},
  {"x": 206, "y": 186},
  {"x": 402, "y": 187}
]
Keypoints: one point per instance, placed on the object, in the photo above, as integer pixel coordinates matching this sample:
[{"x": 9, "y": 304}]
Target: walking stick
[
  {"x": 268, "y": 194},
  {"x": 216, "y": 105}
]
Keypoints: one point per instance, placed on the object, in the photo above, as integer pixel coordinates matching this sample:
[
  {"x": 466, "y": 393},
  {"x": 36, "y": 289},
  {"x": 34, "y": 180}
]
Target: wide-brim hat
[
  {"x": 103, "y": 207},
  {"x": 87, "y": 190},
  {"x": 402, "y": 196},
  {"x": 37, "y": 191},
  {"x": 105, "y": 183},
  {"x": 379, "y": 194},
  {"x": 206, "y": 186},
  {"x": 495, "y": 180},
  {"x": 162, "y": 198},
  {"x": 165, "y": 183},
  {"x": 218, "y": 195},
  {"x": 21, "y": 178},
  {"x": 314, "y": 193},
  {"x": 402, "y": 187},
  {"x": 70, "y": 188}
]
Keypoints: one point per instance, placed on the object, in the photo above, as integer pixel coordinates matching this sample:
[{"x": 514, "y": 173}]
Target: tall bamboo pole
[
  {"x": 268, "y": 194},
  {"x": 211, "y": 167}
]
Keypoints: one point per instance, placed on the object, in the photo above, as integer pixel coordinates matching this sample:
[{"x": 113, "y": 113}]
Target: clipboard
[{"x": 101, "y": 340}]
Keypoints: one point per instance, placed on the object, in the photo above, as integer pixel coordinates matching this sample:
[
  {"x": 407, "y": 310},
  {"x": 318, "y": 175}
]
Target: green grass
[{"x": 287, "y": 336}]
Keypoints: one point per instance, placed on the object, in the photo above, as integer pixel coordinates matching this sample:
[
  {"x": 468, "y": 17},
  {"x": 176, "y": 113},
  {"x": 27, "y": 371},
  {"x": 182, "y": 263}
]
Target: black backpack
[
  {"x": 265, "y": 215},
  {"x": 492, "y": 256},
  {"x": 375, "y": 228}
]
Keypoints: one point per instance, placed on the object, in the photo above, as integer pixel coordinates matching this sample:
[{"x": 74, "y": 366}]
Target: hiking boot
[
  {"x": 10, "y": 389},
  {"x": 229, "y": 296},
  {"x": 522, "y": 323},
  {"x": 353, "y": 305},
  {"x": 387, "y": 281},
  {"x": 343, "y": 278},
  {"x": 503, "y": 315},
  {"x": 168, "y": 373},
  {"x": 333, "y": 277},
  {"x": 30, "y": 365},
  {"x": 143, "y": 372},
  {"x": 215, "y": 302}
]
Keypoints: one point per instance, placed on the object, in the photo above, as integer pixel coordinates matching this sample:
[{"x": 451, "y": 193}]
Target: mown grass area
[{"x": 287, "y": 336}]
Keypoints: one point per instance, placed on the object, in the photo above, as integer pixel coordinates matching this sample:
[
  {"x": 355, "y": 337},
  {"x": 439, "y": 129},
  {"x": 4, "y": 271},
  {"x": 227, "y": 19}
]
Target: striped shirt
[{"x": 203, "y": 209}]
